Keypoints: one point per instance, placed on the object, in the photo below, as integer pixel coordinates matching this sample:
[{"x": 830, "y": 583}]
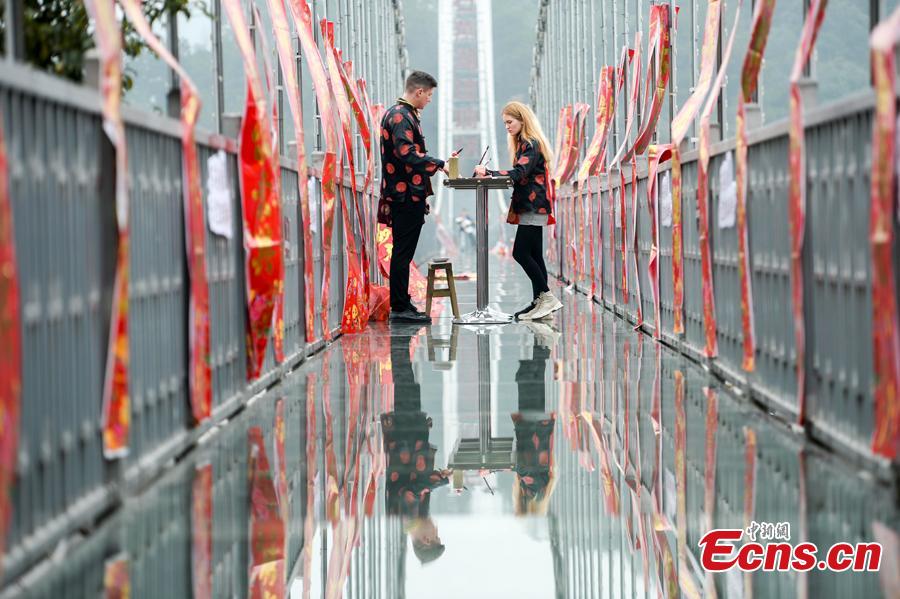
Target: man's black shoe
[
  {"x": 409, "y": 316},
  {"x": 412, "y": 308}
]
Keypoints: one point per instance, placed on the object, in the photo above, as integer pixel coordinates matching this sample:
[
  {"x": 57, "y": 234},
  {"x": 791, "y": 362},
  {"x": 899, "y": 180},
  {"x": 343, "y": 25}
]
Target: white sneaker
[{"x": 547, "y": 304}]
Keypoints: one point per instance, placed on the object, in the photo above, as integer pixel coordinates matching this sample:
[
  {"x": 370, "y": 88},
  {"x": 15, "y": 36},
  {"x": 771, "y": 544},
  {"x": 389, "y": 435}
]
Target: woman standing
[{"x": 531, "y": 208}]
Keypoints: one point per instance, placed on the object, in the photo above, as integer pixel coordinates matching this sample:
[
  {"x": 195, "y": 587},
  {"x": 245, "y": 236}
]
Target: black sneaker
[
  {"x": 409, "y": 316},
  {"x": 528, "y": 308}
]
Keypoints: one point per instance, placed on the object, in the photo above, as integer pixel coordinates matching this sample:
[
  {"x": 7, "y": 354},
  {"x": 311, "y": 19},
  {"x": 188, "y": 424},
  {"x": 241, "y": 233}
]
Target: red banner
[
  {"x": 116, "y": 578},
  {"x": 303, "y": 22},
  {"x": 635, "y": 60},
  {"x": 634, "y": 243},
  {"x": 272, "y": 99},
  {"x": 762, "y": 20},
  {"x": 604, "y": 115},
  {"x": 564, "y": 126},
  {"x": 116, "y": 412},
  {"x": 291, "y": 88},
  {"x": 709, "y": 298},
  {"x": 356, "y": 309},
  {"x": 260, "y": 204},
  {"x": 885, "y": 340},
  {"x": 657, "y": 154},
  {"x": 661, "y": 49},
  {"x": 11, "y": 357},
  {"x": 200, "y": 371},
  {"x": 202, "y": 532},
  {"x": 680, "y": 125},
  {"x": 797, "y": 194},
  {"x": 267, "y": 534}
]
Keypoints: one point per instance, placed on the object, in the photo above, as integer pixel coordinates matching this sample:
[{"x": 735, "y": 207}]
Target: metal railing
[
  {"x": 61, "y": 184},
  {"x": 837, "y": 264}
]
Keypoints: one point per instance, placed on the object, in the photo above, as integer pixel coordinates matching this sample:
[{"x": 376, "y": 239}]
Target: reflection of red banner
[
  {"x": 312, "y": 438},
  {"x": 709, "y": 303},
  {"x": 610, "y": 489},
  {"x": 680, "y": 467},
  {"x": 797, "y": 193},
  {"x": 762, "y": 20},
  {"x": 885, "y": 341},
  {"x": 200, "y": 372},
  {"x": 260, "y": 204},
  {"x": 291, "y": 88},
  {"x": 11, "y": 357},
  {"x": 749, "y": 494},
  {"x": 116, "y": 412},
  {"x": 680, "y": 125},
  {"x": 266, "y": 552},
  {"x": 303, "y": 22},
  {"x": 709, "y": 475},
  {"x": 202, "y": 532}
]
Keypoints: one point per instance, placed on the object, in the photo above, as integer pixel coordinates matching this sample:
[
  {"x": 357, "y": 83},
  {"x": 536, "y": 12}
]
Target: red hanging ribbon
[
  {"x": 11, "y": 356},
  {"x": 762, "y": 21},
  {"x": 657, "y": 154},
  {"x": 797, "y": 193},
  {"x": 116, "y": 412},
  {"x": 260, "y": 205},
  {"x": 356, "y": 309},
  {"x": 680, "y": 125},
  {"x": 200, "y": 371},
  {"x": 303, "y": 22},
  {"x": 117, "y": 578},
  {"x": 709, "y": 299},
  {"x": 291, "y": 87}
]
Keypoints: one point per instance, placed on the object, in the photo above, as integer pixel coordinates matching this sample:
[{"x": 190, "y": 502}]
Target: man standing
[{"x": 406, "y": 171}]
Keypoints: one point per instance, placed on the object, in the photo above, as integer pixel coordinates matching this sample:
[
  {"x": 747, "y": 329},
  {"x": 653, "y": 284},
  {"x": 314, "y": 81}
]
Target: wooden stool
[{"x": 449, "y": 291}]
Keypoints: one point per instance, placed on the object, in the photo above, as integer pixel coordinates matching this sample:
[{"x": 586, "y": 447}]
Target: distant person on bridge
[
  {"x": 406, "y": 171},
  {"x": 531, "y": 205}
]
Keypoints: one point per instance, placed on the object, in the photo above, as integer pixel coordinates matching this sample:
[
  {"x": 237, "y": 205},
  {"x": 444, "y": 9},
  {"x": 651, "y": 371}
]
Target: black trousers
[
  {"x": 407, "y": 225},
  {"x": 528, "y": 251}
]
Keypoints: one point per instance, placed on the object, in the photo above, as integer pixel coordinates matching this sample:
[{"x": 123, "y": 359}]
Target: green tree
[{"x": 57, "y": 34}]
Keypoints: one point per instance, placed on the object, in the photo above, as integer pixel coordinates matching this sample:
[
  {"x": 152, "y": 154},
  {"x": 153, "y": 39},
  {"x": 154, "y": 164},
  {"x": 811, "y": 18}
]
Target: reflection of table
[
  {"x": 485, "y": 452},
  {"x": 482, "y": 314}
]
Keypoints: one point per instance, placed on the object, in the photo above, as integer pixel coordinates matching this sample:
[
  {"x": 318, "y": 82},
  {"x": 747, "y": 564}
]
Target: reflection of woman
[
  {"x": 531, "y": 207},
  {"x": 535, "y": 475},
  {"x": 410, "y": 457}
]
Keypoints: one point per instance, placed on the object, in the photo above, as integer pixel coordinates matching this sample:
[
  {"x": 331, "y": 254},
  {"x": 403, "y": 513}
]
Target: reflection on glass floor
[{"x": 571, "y": 459}]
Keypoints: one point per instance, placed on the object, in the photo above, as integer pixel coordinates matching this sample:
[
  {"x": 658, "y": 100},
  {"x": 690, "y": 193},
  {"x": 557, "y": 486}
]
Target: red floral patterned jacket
[
  {"x": 406, "y": 167},
  {"x": 532, "y": 186}
]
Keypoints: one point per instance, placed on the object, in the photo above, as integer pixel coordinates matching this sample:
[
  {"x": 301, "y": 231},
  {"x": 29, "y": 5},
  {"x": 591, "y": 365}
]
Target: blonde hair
[
  {"x": 531, "y": 131},
  {"x": 539, "y": 505}
]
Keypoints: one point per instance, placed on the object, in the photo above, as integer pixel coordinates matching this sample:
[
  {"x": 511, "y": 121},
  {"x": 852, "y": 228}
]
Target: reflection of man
[
  {"x": 406, "y": 171},
  {"x": 535, "y": 479},
  {"x": 410, "y": 457}
]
